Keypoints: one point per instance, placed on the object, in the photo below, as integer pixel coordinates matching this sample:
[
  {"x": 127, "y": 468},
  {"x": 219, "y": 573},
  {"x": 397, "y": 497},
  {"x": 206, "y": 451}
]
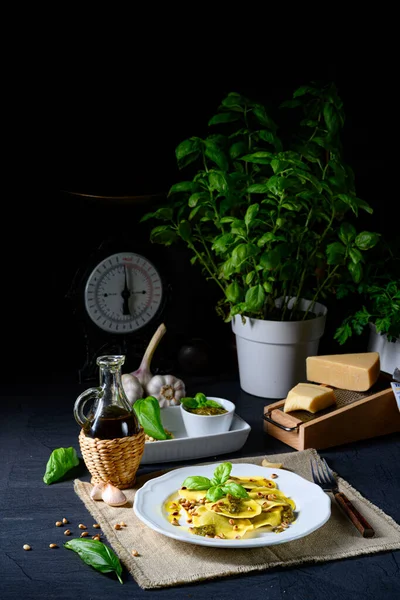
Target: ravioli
[
  {"x": 219, "y": 524},
  {"x": 192, "y": 495},
  {"x": 250, "y": 483},
  {"x": 262, "y": 495},
  {"x": 235, "y": 508},
  {"x": 272, "y": 518}
]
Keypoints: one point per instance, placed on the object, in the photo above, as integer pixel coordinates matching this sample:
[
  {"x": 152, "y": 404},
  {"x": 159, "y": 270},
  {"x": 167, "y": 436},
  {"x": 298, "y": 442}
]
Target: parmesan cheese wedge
[
  {"x": 310, "y": 397},
  {"x": 356, "y": 372}
]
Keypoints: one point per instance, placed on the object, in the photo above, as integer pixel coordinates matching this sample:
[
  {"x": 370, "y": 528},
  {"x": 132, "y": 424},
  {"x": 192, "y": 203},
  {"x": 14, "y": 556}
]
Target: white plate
[
  {"x": 313, "y": 506},
  {"x": 182, "y": 447}
]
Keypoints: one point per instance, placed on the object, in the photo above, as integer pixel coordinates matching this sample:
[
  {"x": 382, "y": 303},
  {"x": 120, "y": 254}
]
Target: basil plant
[{"x": 268, "y": 216}]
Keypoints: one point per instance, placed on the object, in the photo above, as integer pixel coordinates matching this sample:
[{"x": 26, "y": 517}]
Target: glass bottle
[{"x": 111, "y": 415}]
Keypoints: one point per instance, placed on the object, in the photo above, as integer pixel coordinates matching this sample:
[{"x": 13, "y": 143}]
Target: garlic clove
[
  {"x": 113, "y": 496},
  {"x": 97, "y": 490},
  {"x": 132, "y": 387}
]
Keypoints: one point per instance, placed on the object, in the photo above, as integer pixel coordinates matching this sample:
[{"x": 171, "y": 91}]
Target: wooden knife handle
[{"x": 358, "y": 520}]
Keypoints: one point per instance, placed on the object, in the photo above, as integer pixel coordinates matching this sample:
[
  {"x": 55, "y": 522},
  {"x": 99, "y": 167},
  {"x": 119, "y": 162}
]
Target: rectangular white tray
[{"x": 182, "y": 447}]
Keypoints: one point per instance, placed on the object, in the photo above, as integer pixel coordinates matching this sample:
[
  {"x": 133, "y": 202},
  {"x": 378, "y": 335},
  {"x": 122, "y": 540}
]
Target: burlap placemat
[{"x": 164, "y": 562}]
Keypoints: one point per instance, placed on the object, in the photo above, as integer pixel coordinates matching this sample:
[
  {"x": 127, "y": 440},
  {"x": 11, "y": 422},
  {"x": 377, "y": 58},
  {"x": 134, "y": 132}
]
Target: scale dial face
[{"x": 123, "y": 293}]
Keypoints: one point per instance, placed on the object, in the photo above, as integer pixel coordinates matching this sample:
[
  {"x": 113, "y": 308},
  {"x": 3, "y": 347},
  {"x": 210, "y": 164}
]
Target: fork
[{"x": 323, "y": 476}]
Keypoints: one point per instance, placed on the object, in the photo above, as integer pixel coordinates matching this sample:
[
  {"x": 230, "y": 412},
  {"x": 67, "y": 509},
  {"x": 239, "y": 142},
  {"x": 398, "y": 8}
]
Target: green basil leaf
[
  {"x": 212, "y": 403},
  {"x": 227, "y": 117},
  {"x": 189, "y": 402},
  {"x": 251, "y": 213},
  {"x": 214, "y": 493},
  {"x": 237, "y": 149},
  {"x": 366, "y": 240},
  {"x": 187, "y": 148},
  {"x": 258, "y": 188},
  {"x": 60, "y": 462},
  {"x": 201, "y": 399},
  {"x": 331, "y": 118},
  {"x": 355, "y": 255},
  {"x": 183, "y": 186},
  {"x": 97, "y": 555},
  {"x": 356, "y": 271},
  {"x": 335, "y": 253},
  {"x": 217, "y": 181},
  {"x": 148, "y": 413},
  {"x": 185, "y": 230},
  {"x": 214, "y": 153},
  {"x": 236, "y": 490},
  {"x": 194, "y": 198},
  {"x": 255, "y": 298},
  {"x": 163, "y": 234},
  {"x": 233, "y": 292},
  {"x": 347, "y": 232},
  {"x": 222, "y": 472},
  {"x": 196, "y": 482}
]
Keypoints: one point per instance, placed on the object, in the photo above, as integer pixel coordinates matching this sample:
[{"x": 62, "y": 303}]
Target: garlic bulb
[
  {"x": 97, "y": 490},
  {"x": 113, "y": 496},
  {"x": 132, "y": 387},
  {"x": 143, "y": 373},
  {"x": 167, "y": 389}
]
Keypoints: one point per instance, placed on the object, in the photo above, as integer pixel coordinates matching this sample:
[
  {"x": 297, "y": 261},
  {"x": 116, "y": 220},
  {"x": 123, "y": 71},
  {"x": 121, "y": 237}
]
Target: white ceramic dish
[
  {"x": 183, "y": 447},
  {"x": 199, "y": 425},
  {"x": 313, "y": 506}
]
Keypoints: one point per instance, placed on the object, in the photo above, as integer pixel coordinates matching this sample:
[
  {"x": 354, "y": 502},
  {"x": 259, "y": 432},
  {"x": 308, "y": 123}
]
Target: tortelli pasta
[{"x": 265, "y": 508}]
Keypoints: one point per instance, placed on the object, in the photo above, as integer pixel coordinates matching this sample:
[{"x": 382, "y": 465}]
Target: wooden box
[{"x": 356, "y": 416}]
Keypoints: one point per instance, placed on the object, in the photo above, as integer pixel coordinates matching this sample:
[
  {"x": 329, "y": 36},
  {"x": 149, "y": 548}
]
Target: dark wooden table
[{"x": 35, "y": 419}]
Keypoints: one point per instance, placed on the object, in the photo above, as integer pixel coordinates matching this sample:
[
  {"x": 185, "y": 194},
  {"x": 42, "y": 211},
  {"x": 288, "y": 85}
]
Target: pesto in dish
[
  {"x": 207, "y": 410},
  {"x": 201, "y": 405}
]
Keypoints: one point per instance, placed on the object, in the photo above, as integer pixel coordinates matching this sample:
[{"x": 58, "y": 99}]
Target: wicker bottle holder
[{"x": 113, "y": 461}]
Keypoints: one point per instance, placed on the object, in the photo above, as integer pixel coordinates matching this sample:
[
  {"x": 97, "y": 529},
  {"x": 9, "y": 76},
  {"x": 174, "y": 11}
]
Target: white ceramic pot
[
  {"x": 272, "y": 354},
  {"x": 389, "y": 352}
]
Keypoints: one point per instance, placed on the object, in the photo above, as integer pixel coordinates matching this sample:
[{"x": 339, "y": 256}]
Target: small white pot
[
  {"x": 389, "y": 352},
  {"x": 199, "y": 425},
  {"x": 272, "y": 354}
]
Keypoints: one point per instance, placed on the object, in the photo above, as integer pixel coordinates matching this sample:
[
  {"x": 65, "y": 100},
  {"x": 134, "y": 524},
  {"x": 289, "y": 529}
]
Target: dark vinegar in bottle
[{"x": 113, "y": 422}]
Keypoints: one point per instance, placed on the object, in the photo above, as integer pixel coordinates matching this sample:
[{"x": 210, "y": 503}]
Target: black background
[{"x": 113, "y": 137}]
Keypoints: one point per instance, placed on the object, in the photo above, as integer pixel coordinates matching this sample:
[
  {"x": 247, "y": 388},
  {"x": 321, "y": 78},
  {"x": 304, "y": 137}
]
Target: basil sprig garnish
[
  {"x": 97, "y": 555},
  {"x": 148, "y": 413},
  {"x": 216, "y": 487},
  {"x": 199, "y": 401},
  {"x": 61, "y": 460}
]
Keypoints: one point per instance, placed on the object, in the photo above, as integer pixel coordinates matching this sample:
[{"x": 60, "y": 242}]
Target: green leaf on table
[
  {"x": 97, "y": 555},
  {"x": 60, "y": 462},
  {"x": 148, "y": 413}
]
